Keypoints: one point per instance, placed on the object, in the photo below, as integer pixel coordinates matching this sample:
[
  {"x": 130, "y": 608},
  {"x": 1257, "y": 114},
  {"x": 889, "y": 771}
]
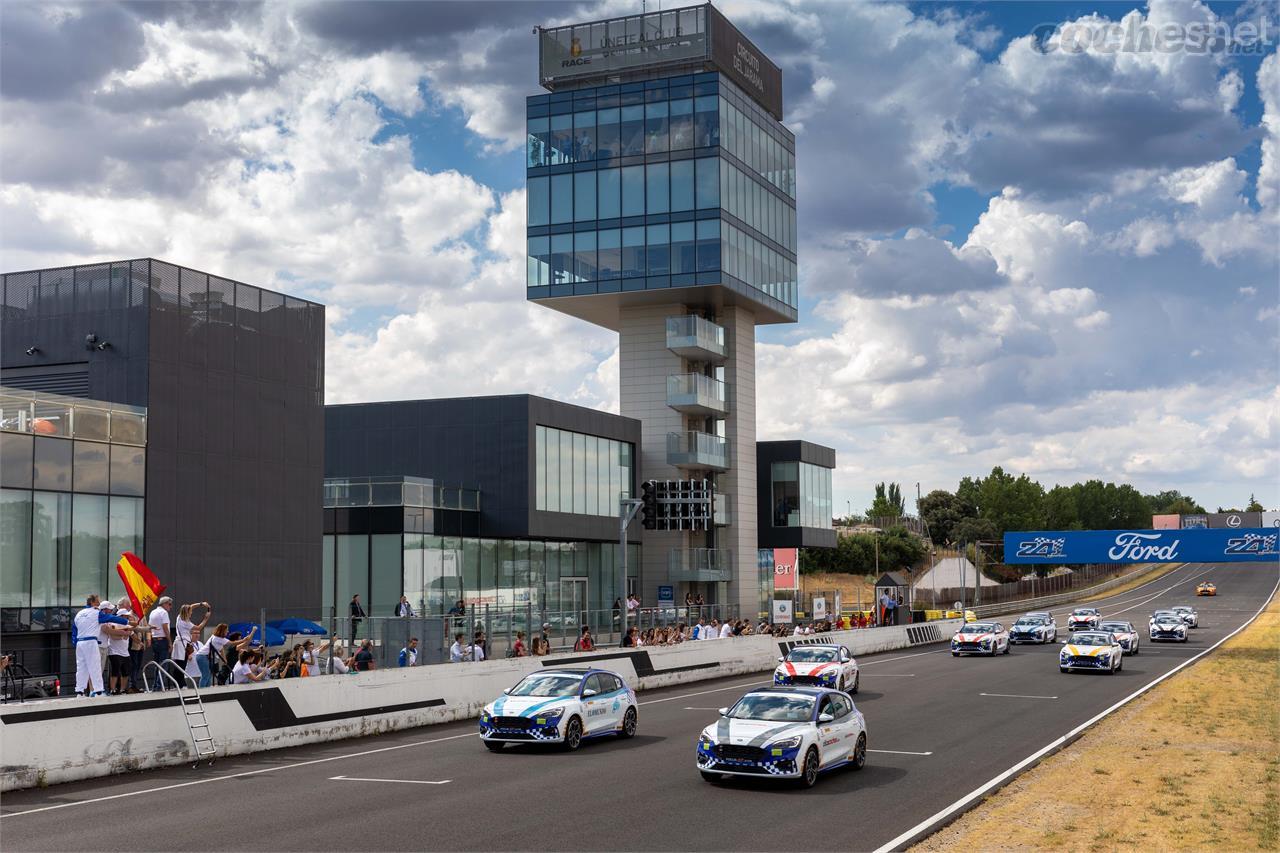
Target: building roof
[{"x": 893, "y": 579}]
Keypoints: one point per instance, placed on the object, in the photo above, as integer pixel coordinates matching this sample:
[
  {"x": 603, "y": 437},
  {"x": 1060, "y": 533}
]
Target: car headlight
[
  {"x": 704, "y": 742},
  {"x": 549, "y": 717},
  {"x": 787, "y": 743},
  {"x": 484, "y": 716}
]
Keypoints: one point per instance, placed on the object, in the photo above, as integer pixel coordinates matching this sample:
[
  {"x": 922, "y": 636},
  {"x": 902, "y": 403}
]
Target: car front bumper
[
  {"x": 503, "y": 730},
  {"x": 765, "y": 763}
]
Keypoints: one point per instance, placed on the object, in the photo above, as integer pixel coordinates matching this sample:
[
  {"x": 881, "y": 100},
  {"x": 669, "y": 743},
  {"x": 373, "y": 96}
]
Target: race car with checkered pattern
[
  {"x": 560, "y": 706},
  {"x": 980, "y": 638},
  {"x": 794, "y": 733},
  {"x": 818, "y": 665}
]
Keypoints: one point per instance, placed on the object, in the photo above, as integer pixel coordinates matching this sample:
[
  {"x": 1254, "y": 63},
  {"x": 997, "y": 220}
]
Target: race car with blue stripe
[
  {"x": 793, "y": 733},
  {"x": 560, "y": 706}
]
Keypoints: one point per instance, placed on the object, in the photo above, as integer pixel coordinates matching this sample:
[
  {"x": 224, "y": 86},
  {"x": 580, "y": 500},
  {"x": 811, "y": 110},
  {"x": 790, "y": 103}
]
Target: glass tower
[{"x": 661, "y": 204}]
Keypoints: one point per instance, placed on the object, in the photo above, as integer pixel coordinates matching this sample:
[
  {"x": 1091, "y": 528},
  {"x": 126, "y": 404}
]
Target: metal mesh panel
[
  {"x": 19, "y": 290},
  {"x": 296, "y": 319},
  {"x": 118, "y": 292},
  {"x": 164, "y": 286},
  {"x": 247, "y": 307},
  {"x": 92, "y": 287},
  {"x": 141, "y": 283},
  {"x": 222, "y": 301},
  {"x": 194, "y": 290},
  {"x": 273, "y": 322},
  {"x": 55, "y": 293}
]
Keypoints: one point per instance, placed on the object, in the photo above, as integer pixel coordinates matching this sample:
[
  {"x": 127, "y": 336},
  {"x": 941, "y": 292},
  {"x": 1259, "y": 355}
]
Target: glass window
[
  {"x": 326, "y": 573},
  {"x": 540, "y": 468},
  {"x": 584, "y": 136},
  {"x": 682, "y": 248},
  {"x": 584, "y": 256},
  {"x": 633, "y": 191},
  {"x": 553, "y": 471},
  {"x": 706, "y": 121},
  {"x": 386, "y": 575},
  {"x": 91, "y": 471},
  {"x": 539, "y": 201},
  {"x": 707, "y": 184},
  {"x": 50, "y": 549},
  {"x": 352, "y": 562},
  {"x": 657, "y": 184},
  {"x": 786, "y": 494},
  {"x": 561, "y": 199},
  {"x": 608, "y": 141},
  {"x": 566, "y": 471},
  {"x": 124, "y": 533},
  {"x": 592, "y": 485},
  {"x": 539, "y": 261},
  {"x": 412, "y": 577},
  {"x": 128, "y": 470},
  {"x": 632, "y": 130},
  {"x": 584, "y": 196},
  {"x": 15, "y": 548},
  {"x": 610, "y": 193},
  {"x": 561, "y": 139},
  {"x": 659, "y": 250},
  {"x": 92, "y": 423},
  {"x": 561, "y": 258},
  {"x": 682, "y": 185},
  {"x": 488, "y": 590},
  {"x": 470, "y": 569},
  {"x": 681, "y": 120},
  {"x": 579, "y": 473},
  {"x": 632, "y": 252},
  {"x": 609, "y": 243},
  {"x": 536, "y": 142},
  {"x": 708, "y": 231},
  {"x": 16, "y": 459},
  {"x": 655, "y": 127},
  {"x": 89, "y": 555}
]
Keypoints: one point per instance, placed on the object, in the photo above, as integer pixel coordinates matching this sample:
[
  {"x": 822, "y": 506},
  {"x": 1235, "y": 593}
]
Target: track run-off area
[{"x": 942, "y": 732}]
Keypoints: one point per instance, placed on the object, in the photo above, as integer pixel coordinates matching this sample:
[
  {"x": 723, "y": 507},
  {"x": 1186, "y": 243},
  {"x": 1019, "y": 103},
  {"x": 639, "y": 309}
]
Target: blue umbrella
[
  {"x": 274, "y": 636},
  {"x": 298, "y": 626}
]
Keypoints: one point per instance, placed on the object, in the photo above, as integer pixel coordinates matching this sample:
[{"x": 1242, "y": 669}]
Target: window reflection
[{"x": 580, "y": 473}]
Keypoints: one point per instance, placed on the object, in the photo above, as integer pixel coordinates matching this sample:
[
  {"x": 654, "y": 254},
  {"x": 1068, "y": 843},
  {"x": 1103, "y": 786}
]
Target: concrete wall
[{"x": 65, "y": 740}]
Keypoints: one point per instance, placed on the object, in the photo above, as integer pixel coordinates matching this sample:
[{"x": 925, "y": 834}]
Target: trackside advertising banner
[{"x": 1202, "y": 545}]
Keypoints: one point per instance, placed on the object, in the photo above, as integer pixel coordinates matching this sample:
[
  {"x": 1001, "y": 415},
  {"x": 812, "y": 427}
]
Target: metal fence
[{"x": 1078, "y": 578}]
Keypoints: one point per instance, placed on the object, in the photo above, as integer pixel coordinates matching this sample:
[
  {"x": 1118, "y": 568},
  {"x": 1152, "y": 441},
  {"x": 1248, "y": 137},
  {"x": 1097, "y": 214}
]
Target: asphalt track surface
[{"x": 938, "y": 728}]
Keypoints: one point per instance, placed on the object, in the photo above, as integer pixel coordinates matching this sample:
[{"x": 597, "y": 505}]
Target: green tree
[
  {"x": 1173, "y": 502},
  {"x": 1008, "y": 502},
  {"x": 888, "y": 502},
  {"x": 941, "y": 510},
  {"x": 1060, "y": 510},
  {"x": 1254, "y": 506},
  {"x": 974, "y": 530}
]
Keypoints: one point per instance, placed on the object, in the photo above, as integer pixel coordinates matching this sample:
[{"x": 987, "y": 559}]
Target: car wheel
[
  {"x": 860, "y": 752},
  {"x": 1006, "y": 648},
  {"x": 1063, "y": 670},
  {"x": 494, "y": 745},
  {"x": 628, "y": 724},
  {"x": 573, "y": 734},
  {"x": 840, "y": 684},
  {"x": 809, "y": 770},
  {"x": 713, "y": 778},
  {"x": 856, "y": 676},
  {"x": 1136, "y": 647},
  {"x": 1120, "y": 663},
  {"x": 955, "y": 654}
]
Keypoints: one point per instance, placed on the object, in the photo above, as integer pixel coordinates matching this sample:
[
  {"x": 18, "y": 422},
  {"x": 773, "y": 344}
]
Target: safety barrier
[
  {"x": 63, "y": 740},
  {"x": 982, "y": 611}
]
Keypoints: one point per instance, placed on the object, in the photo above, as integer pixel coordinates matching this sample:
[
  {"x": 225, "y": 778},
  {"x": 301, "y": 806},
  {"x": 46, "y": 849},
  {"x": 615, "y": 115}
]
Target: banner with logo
[
  {"x": 1271, "y": 519},
  {"x": 819, "y": 607},
  {"x": 1203, "y": 545},
  {"x": 1166, "y": 522},
  {"x": 786, "y": 569},
  {"x": 1235, "y": 520},
  {"x": 781, "y": 611}
]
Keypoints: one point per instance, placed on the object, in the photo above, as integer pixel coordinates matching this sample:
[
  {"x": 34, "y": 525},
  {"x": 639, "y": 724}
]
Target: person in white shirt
[
  {"x": 458, "y": 651},
  {"x": 404, "y": 609},
  {"x": 712, "y": 632},
  {"x": 86, "y": 629},
  {"x": 116, "y": 643},
  {"x": 726, "y": 630},
  {"x": 185, "y": 635},
  {"x": 161, "y": 636}
]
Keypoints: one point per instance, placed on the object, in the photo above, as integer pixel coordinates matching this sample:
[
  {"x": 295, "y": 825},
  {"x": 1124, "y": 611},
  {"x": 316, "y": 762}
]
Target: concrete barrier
[{"x": 50, "y": 742}]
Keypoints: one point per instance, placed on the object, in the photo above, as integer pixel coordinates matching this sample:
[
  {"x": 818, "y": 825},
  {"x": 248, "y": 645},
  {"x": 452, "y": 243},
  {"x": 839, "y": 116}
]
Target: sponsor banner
[
  {"x": 1194, "y": 522},
  {"x": 781, "y": 611},
  {"x": 1166, "y": 522},
  {"x": 819, "y": 607},
  {"x": 607, "y": 47},
  {"x": 786, "y": 572},
  {"x": 1206, "y": 545},
  {"x": 1235, "y": 520},
  {"x": 1271, "y": 519},
  {"x": 666, "y": 596},
  {"x": 744, "y": 64}
]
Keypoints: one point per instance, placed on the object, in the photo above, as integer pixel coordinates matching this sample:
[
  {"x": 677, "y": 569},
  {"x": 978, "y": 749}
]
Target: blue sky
[{"x": 1061, "y": 263}]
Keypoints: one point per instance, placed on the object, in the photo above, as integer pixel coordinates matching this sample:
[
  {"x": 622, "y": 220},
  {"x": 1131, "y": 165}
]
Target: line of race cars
[{"x": 806, "y": 723}]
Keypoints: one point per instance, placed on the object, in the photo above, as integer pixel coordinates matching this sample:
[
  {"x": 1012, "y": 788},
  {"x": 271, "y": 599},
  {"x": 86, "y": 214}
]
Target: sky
[{"x": 1025, "y": 240}]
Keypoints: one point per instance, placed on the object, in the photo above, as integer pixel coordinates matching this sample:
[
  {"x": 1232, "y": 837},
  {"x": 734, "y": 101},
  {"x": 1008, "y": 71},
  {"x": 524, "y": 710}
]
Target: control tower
[{"x": 661, "y": 204}]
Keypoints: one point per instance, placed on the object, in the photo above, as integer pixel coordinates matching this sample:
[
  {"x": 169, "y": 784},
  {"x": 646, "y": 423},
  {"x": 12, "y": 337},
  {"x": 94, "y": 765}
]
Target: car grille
[
  {"x": 1083, "y": 660},
  {"x": 965, "y": 646},
  {"x": 807, "y": 679},
  {"x": 511, "y": 722},
  {"x": 1166, "y": 632},
  {"x": 733, "y": 752}
]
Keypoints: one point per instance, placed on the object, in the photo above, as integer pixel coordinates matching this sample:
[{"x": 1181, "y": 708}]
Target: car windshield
[
  {"x": 1082, "y": 613},
  {"x": 1163, "y": 614},
  {"x": 548, "y": 684},
  {"x": 977, "y": 628},
  {"x": 1168, "y": 620},
  {"x": 1028, "y": 622},
  {"x": 1182, "y": 610},
  {"x": 777, "y": 707},
  {"x": 812, "y": 655},
  {"x": 1123, "y": 627},
  {"x": 1091, "y": 640}
]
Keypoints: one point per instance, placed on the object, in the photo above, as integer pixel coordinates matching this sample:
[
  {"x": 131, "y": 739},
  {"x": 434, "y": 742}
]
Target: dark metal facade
[
  {"x": 232, "y": 378},
  {"x": 767, "y": 453}
]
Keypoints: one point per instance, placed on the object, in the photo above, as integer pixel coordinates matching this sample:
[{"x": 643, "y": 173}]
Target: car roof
[
  {"x": 564, "y": 670},
  {"x": 815, "y": 646},
  {"x": 804, "y": 691}
]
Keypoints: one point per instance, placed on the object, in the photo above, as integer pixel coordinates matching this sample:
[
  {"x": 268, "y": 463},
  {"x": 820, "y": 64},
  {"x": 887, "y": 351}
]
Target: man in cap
[
  {"x": 86, "y": 629},
  {"x": 115, "y": 641}
]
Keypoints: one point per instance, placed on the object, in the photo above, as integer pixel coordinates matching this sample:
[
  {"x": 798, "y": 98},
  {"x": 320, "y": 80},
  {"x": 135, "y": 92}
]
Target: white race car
[
  {"x": 784, "y": 733},
  {"x": 561, "y": 706},
  {"x": 1092, "y": 650},
  {"x": 980, "y": 638},
  {"x": 1167, "y": 625},
  {"x": 1034, "y": 628},
  {"x": 1188, "y": 614},
  {"x": 818, "y": 665},
  {"x": 1124, "y": 632},
  {"x": 1084, "y": 619}
]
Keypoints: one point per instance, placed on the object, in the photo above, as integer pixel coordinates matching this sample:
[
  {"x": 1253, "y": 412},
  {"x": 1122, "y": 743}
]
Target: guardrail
[{"x": 999, "y": 608}]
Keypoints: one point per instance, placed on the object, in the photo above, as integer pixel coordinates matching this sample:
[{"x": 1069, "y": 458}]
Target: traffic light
[{"x": 649, "y": 505}]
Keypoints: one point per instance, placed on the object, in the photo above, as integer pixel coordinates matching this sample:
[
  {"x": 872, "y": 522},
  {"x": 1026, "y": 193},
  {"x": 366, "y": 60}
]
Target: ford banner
[{"x": 1200, "y": 545}]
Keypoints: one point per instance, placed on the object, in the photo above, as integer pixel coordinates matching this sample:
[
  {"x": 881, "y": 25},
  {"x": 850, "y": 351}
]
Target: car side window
[
  {"x": 592, "y": 683},
  {"x": 839, "y": 707},
  {"x": 609, "y": 683}
]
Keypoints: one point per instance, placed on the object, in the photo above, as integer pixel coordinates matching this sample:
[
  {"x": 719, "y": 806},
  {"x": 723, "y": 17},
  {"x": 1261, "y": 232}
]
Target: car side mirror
[
  {"x": 507, "y": 691},
  {"x": 780, "y": 660},
  {"x": 844, "y": 658},
  {"x": 825, "y": 718},
  {"x": 589, "y": 692},
  {"x": 724, "y": 712}
]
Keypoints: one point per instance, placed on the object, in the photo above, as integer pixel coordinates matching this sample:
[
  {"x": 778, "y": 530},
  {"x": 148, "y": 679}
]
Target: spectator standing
[
  {"x": 629, "y": 640},
  {"x": 310, "y": 658},
  {"x": 585, "y": 643},
  {"x": 212, "y": 658},
  {"x": 139, "y": 638},
  {"x": 161, "y": 636},
  {"x": 617, "y": 612},
  {"x": 479, "y": 646},
  {"x": 897, "y": 610},
  {"x": 726, "y": 630},
  {"x": 518, "y": 649},
  {"x": 357, "y": 613},
  {"x": 404, "y": 609},
  {"x": 184, "y": 638},
  {"x": 698, "y": 629},
  {"x": 688, "y": 605},
  {"x": 86, "y": 629},
  {"x": 409, "y": 654},
  {"x": 336, "y": 659},
  {"x": 458, "y": 652},
  {"x": 712, "y": 631},
  {"x": 633, "y": 604},
  {"x": 117, "y": 644},
  {"x": 542, "y": 642},
  {"x": 458, "y": 609},
  {"x": 364, "y": 658},
  {"x": 249, "y": 669}
]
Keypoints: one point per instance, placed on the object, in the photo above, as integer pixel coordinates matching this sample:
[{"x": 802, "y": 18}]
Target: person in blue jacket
[
  {"x": 86, "y": 628},
  {"x": 409, "y": 654}
]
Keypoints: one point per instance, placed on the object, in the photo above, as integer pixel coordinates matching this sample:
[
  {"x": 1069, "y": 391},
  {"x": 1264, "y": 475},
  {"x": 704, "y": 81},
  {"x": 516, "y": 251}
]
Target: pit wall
[{"x": 63, "y": 740}]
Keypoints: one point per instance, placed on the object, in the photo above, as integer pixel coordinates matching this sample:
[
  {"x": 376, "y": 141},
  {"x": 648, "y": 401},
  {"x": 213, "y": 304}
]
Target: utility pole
[{"x": 627, "y": 509}]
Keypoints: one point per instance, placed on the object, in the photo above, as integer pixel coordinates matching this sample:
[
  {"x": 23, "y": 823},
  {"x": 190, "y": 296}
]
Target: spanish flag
[{"x": 142, "y": 586}]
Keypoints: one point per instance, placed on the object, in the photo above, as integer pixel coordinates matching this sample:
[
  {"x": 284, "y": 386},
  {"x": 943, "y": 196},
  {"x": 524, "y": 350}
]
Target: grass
[
  {"x": 1137, "y": 580},
  {"x": 1157, "y": 778}
]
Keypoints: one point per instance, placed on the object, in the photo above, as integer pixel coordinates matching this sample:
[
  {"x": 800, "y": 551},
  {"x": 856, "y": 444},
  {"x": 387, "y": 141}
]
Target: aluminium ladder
[{"x": 193, "y": 713}]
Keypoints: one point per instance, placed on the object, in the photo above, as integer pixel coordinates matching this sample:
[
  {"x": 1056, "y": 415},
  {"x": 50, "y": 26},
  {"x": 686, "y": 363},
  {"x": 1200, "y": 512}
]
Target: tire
[
  {"x": 859, "y": 759},
  {"x": 840, "y": 684},
  {"x": 809, "y": 770},
  {"x": 572, "y": 734},
  {"x": 628, "y": 724},
  {"x": 1064, "y": 670},
  {"x": 856, "y": 677},
  {"x": 713, "y": 778},
  {"x": 494, "y": 745},
  {"x": 1120, "y": 663},
  {"x": 1137, "y": 647},
  {"x": 1007, "y": 647},
  {"x": 955, "y": 654}
]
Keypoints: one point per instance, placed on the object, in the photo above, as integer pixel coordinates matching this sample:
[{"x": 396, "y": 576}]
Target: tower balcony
[
  {"x": 696, "y": 339},
  {"x": 700, "y": 565},
  {"x": 695, "y": 394},
  {"x": 697, "y": 451}
]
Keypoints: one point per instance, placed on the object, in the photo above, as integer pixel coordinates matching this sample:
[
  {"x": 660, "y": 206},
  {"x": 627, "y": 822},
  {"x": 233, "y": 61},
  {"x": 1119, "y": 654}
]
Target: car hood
[
  {"x": 752, "y": 732},
  {"x": 1086, "y": 651},
  {"x": 1168, "y": 626},
  {"x": 972, "y": 638},
  {"x": 525, "y": 706},
  {"x": 807, "y": 668}
]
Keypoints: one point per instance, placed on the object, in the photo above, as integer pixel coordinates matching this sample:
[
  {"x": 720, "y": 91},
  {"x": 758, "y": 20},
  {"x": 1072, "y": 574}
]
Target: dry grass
[
  {"x": 848, "y": 585},
  {"x": 1192, "y": 765}
]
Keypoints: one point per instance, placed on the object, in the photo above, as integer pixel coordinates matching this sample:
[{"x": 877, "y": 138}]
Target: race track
[{"x": 938, "y": 727}]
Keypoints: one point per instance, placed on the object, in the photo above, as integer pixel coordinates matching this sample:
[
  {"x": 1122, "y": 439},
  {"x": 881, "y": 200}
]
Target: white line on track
[
  {"x": 898, "y": 752},
  {"x": 1016, "y": 696},
  {"x": 688, "y": 708},
  {"x": 396, "y": 781},
  {"x": 738, "y": 686},
  {"x": 920, "y": 830}
]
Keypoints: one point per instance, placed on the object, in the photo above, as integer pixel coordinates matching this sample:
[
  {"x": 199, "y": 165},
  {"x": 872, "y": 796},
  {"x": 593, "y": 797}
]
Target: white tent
[{"x": 951, "y": 572}]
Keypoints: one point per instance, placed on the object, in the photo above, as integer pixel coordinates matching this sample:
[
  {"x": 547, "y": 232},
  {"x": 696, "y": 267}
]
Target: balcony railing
[
  {"x": 695, "y": 394},
  {"x": 696, "y": 338},
  {"x": 398, "y": 491},
  {"x": 700, "y": 565},
  {"x": 54, "y": 415},
  {"x": 697, "y": 450}
]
